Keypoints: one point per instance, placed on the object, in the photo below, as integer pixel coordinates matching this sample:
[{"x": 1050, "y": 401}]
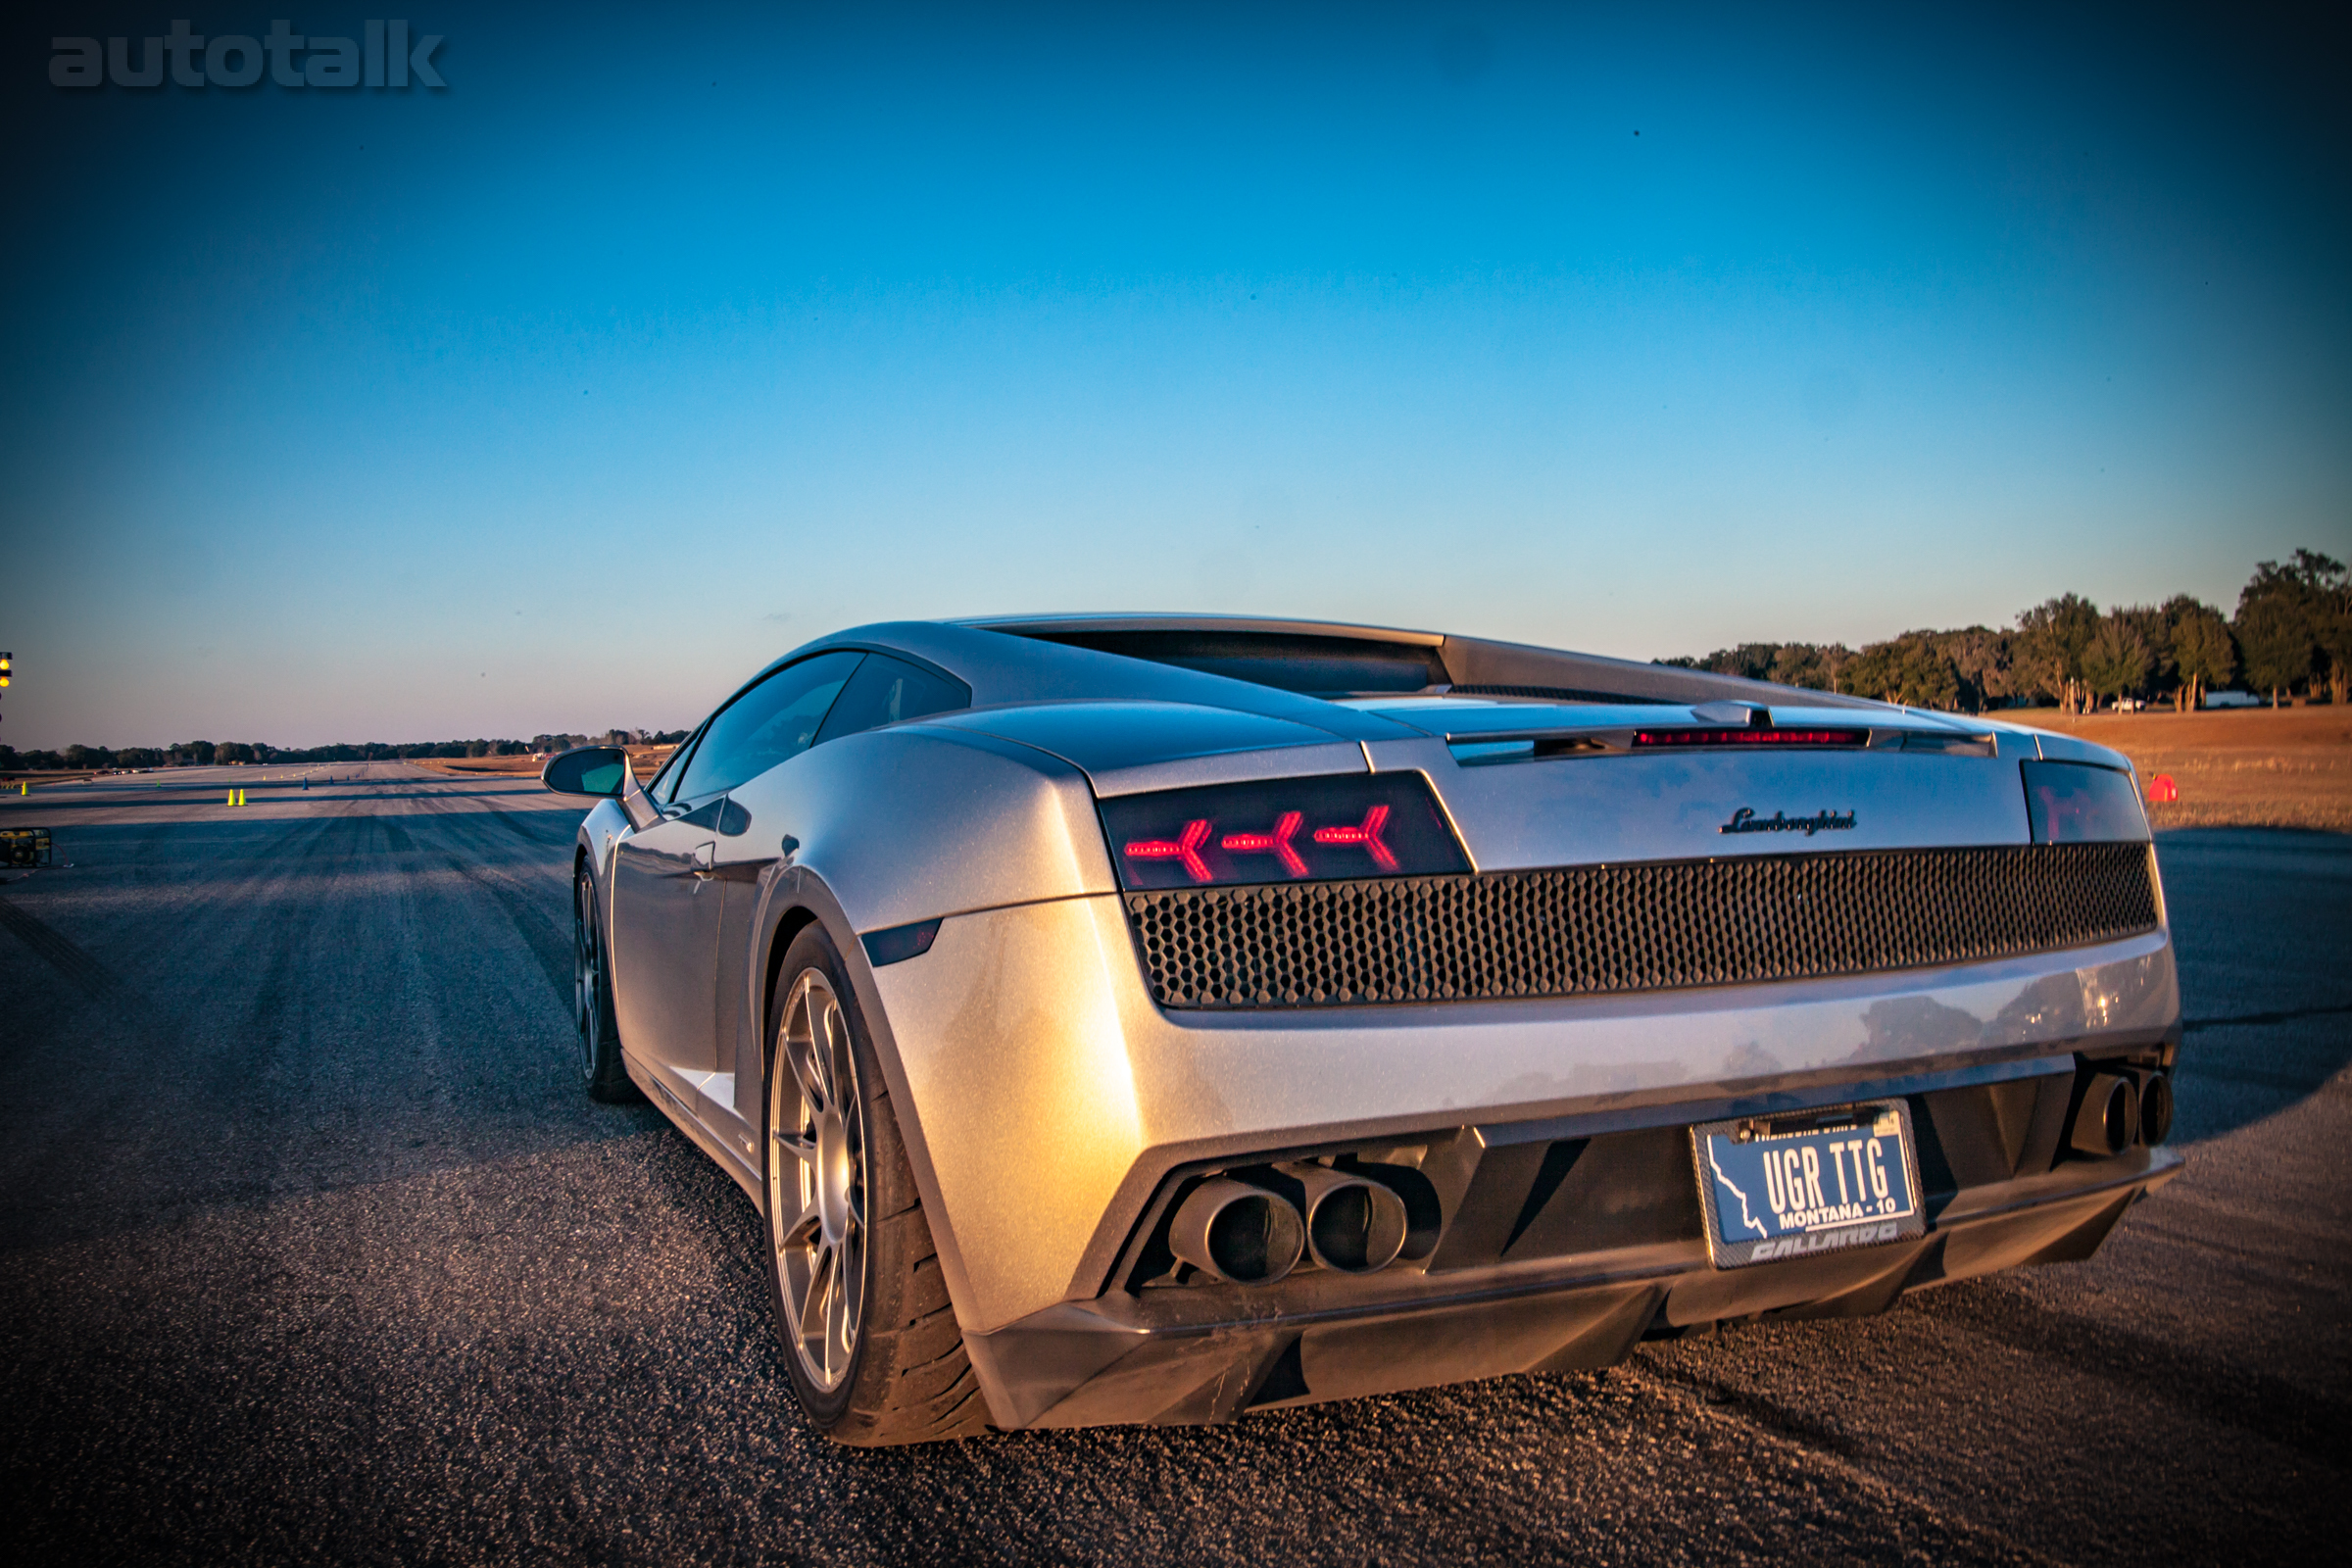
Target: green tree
[
  {"x": 2049, "y": 644},
  {"x": 1928, "y": 676},
  {"x": 2281, "y": 612},
  {"x": 1982, "y": 659},
  {"x": 2117, "y": 661},
  {"x": 2328, "y": 612},
  {"x": 1749, "y": 660},
  {"x": 1871, "y": 672},
  {"x": 2154, "y": 630},
  {"x": 1911, "y": 669},
  {"x": 2203, "y": 651},
  {"x": 2277, "y": 645},
  {"x": 1816, "y": 667}
]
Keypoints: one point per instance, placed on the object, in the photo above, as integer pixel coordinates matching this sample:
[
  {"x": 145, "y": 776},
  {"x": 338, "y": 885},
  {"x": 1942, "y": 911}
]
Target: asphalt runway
[{"x": 311, "y": 1251}]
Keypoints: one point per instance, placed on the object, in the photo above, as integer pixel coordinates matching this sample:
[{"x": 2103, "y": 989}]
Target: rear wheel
[
  {"x": 874, "y": 1350},
  {"x": 600, "y": 1069}
]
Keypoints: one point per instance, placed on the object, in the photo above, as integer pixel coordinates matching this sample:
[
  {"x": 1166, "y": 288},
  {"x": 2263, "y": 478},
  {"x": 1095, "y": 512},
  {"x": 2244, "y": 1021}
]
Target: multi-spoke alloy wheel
[
  {"x": 816, "y": 1181},
  {"x": 587, "y": 970},
  {"x": 878, "y": 1355},
  {"x": 601, "y": 1067}
]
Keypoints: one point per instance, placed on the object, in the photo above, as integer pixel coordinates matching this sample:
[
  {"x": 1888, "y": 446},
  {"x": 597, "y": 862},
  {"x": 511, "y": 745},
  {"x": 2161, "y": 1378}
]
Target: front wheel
[
  {"x": 874, "y": 1348},
  {"x": 600, "y": 1069}
]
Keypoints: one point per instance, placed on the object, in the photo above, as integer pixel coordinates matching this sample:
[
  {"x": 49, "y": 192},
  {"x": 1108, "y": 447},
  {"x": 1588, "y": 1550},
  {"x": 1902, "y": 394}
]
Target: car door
[
  {"x": 667, "y": 892},
  {"x": 664, "y": 937}
]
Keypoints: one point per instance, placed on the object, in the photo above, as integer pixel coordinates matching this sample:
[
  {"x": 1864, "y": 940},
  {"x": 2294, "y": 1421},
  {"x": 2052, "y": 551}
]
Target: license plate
[{"x": 1803, "y": 1183}]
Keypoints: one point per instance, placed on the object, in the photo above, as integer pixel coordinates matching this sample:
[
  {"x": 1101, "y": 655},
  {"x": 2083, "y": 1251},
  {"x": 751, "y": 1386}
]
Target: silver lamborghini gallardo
[{"x": 1162, "y": 1019}]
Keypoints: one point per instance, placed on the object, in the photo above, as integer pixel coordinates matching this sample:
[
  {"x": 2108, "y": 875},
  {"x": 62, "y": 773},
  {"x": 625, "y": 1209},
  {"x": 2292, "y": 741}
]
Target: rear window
[{"x": 1317, "y": 667}]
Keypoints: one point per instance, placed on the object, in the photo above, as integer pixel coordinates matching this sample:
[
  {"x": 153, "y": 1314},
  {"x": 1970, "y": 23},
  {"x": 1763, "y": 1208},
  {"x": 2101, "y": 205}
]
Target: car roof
[
  {"x": 1276, "y": 666},
  {"x": 1118, "y": 621}
]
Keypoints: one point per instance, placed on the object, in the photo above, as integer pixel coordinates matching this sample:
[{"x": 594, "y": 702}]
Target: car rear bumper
[
  {"x": 1181, "y": 1357},
  {"x": 1045, "y": 1098}
]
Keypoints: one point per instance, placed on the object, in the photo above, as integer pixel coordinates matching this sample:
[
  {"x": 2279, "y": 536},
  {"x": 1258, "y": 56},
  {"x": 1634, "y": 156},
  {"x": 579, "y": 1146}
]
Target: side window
[
  {"x": 773, "y": 720},
  {"x": 886, "y": 690},
  {"x": 665, "y": 786}
]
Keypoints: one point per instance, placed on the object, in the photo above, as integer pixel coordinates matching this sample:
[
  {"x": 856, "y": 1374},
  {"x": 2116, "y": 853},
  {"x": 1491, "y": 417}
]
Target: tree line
[
  {"x": 205, "y": 754},
  {"x": 2292, "y": 636}
]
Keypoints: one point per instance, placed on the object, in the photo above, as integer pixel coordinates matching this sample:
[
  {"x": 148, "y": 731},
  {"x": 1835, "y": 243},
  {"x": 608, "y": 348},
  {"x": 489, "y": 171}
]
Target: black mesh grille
[{"x": 1650, "y": 927}]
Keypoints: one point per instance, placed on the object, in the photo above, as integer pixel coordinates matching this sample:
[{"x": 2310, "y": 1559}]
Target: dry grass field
[
  {"x": 2236, "y": 767},
  {"x": 522, "y": 766},
  {"x": 644, "y": 761}
]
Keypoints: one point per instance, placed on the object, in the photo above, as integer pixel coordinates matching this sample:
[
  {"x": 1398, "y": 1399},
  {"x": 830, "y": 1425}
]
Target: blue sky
[{"x": 654, "y": 346}]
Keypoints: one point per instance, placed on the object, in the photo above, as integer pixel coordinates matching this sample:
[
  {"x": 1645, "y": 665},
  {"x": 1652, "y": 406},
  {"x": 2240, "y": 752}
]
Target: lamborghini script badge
[{"x": 1744, "y": 820}]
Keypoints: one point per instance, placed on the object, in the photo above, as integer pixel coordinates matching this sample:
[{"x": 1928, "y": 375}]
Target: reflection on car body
[{"x": 1155, "y": 1019}]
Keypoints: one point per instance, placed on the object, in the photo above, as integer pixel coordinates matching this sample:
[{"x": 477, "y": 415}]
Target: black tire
[
  {"x": 600, "y": 1071},
  {"x": 902, "y": 1376}
]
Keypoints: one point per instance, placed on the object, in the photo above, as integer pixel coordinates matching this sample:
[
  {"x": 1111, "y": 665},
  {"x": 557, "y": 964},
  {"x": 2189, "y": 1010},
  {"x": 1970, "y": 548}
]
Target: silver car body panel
[{"x": 1045, "y": 1096}]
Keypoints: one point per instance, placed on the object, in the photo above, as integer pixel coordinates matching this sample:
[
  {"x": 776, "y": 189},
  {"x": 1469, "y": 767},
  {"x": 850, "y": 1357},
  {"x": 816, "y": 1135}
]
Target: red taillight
[
  {"x": 1185, "y": 849},
  {"x": 1321, "y": 830},
  {"x": 1275, "y": 843},
  {"x": 1367, "y": 833},
  {"x": 1750, "y": 737}
]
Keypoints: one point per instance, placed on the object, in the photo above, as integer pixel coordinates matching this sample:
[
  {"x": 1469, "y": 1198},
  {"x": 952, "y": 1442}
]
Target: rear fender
[{"x": 792, "y": 898}]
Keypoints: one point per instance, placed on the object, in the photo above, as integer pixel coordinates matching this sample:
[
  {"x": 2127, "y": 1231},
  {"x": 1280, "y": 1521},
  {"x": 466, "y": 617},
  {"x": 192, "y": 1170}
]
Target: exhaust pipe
[
  {"x": 1353, "y": 1225},
  {"x": 2155, "y": 1109},
  {"x": 1237, "y": 1232},
  {"x": 2109, "y": 1118}
]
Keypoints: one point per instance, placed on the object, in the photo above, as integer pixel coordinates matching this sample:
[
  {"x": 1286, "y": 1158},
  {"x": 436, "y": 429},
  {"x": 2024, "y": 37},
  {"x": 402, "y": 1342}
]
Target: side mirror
[{"x": 599, "y": 772}]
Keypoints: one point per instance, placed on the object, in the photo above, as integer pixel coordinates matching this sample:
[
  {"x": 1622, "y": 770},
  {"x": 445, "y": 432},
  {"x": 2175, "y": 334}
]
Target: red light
[
  {"x": 1368, "y": 835},
  {"x": 1749, "y": 737},
  {"x": 1185, "y": 849},
  {"x": 1285, "y": 832},
  {"x": 1275, "y": 843}
]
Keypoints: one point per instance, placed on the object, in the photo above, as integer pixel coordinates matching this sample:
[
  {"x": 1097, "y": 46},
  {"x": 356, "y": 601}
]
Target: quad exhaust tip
[
  {"x": 2108, "y": 1121},
  {"x": 1353, "y": 1225},
  {"x": 2155, "y": 1109},
  {"x": 1237, "y": 1232},
  {"x": 1245, "y": 1233}
]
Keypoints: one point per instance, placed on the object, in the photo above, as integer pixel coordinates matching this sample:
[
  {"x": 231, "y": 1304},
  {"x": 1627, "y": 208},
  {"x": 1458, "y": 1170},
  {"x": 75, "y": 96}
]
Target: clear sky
[{"x": 654, "y": 345}]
